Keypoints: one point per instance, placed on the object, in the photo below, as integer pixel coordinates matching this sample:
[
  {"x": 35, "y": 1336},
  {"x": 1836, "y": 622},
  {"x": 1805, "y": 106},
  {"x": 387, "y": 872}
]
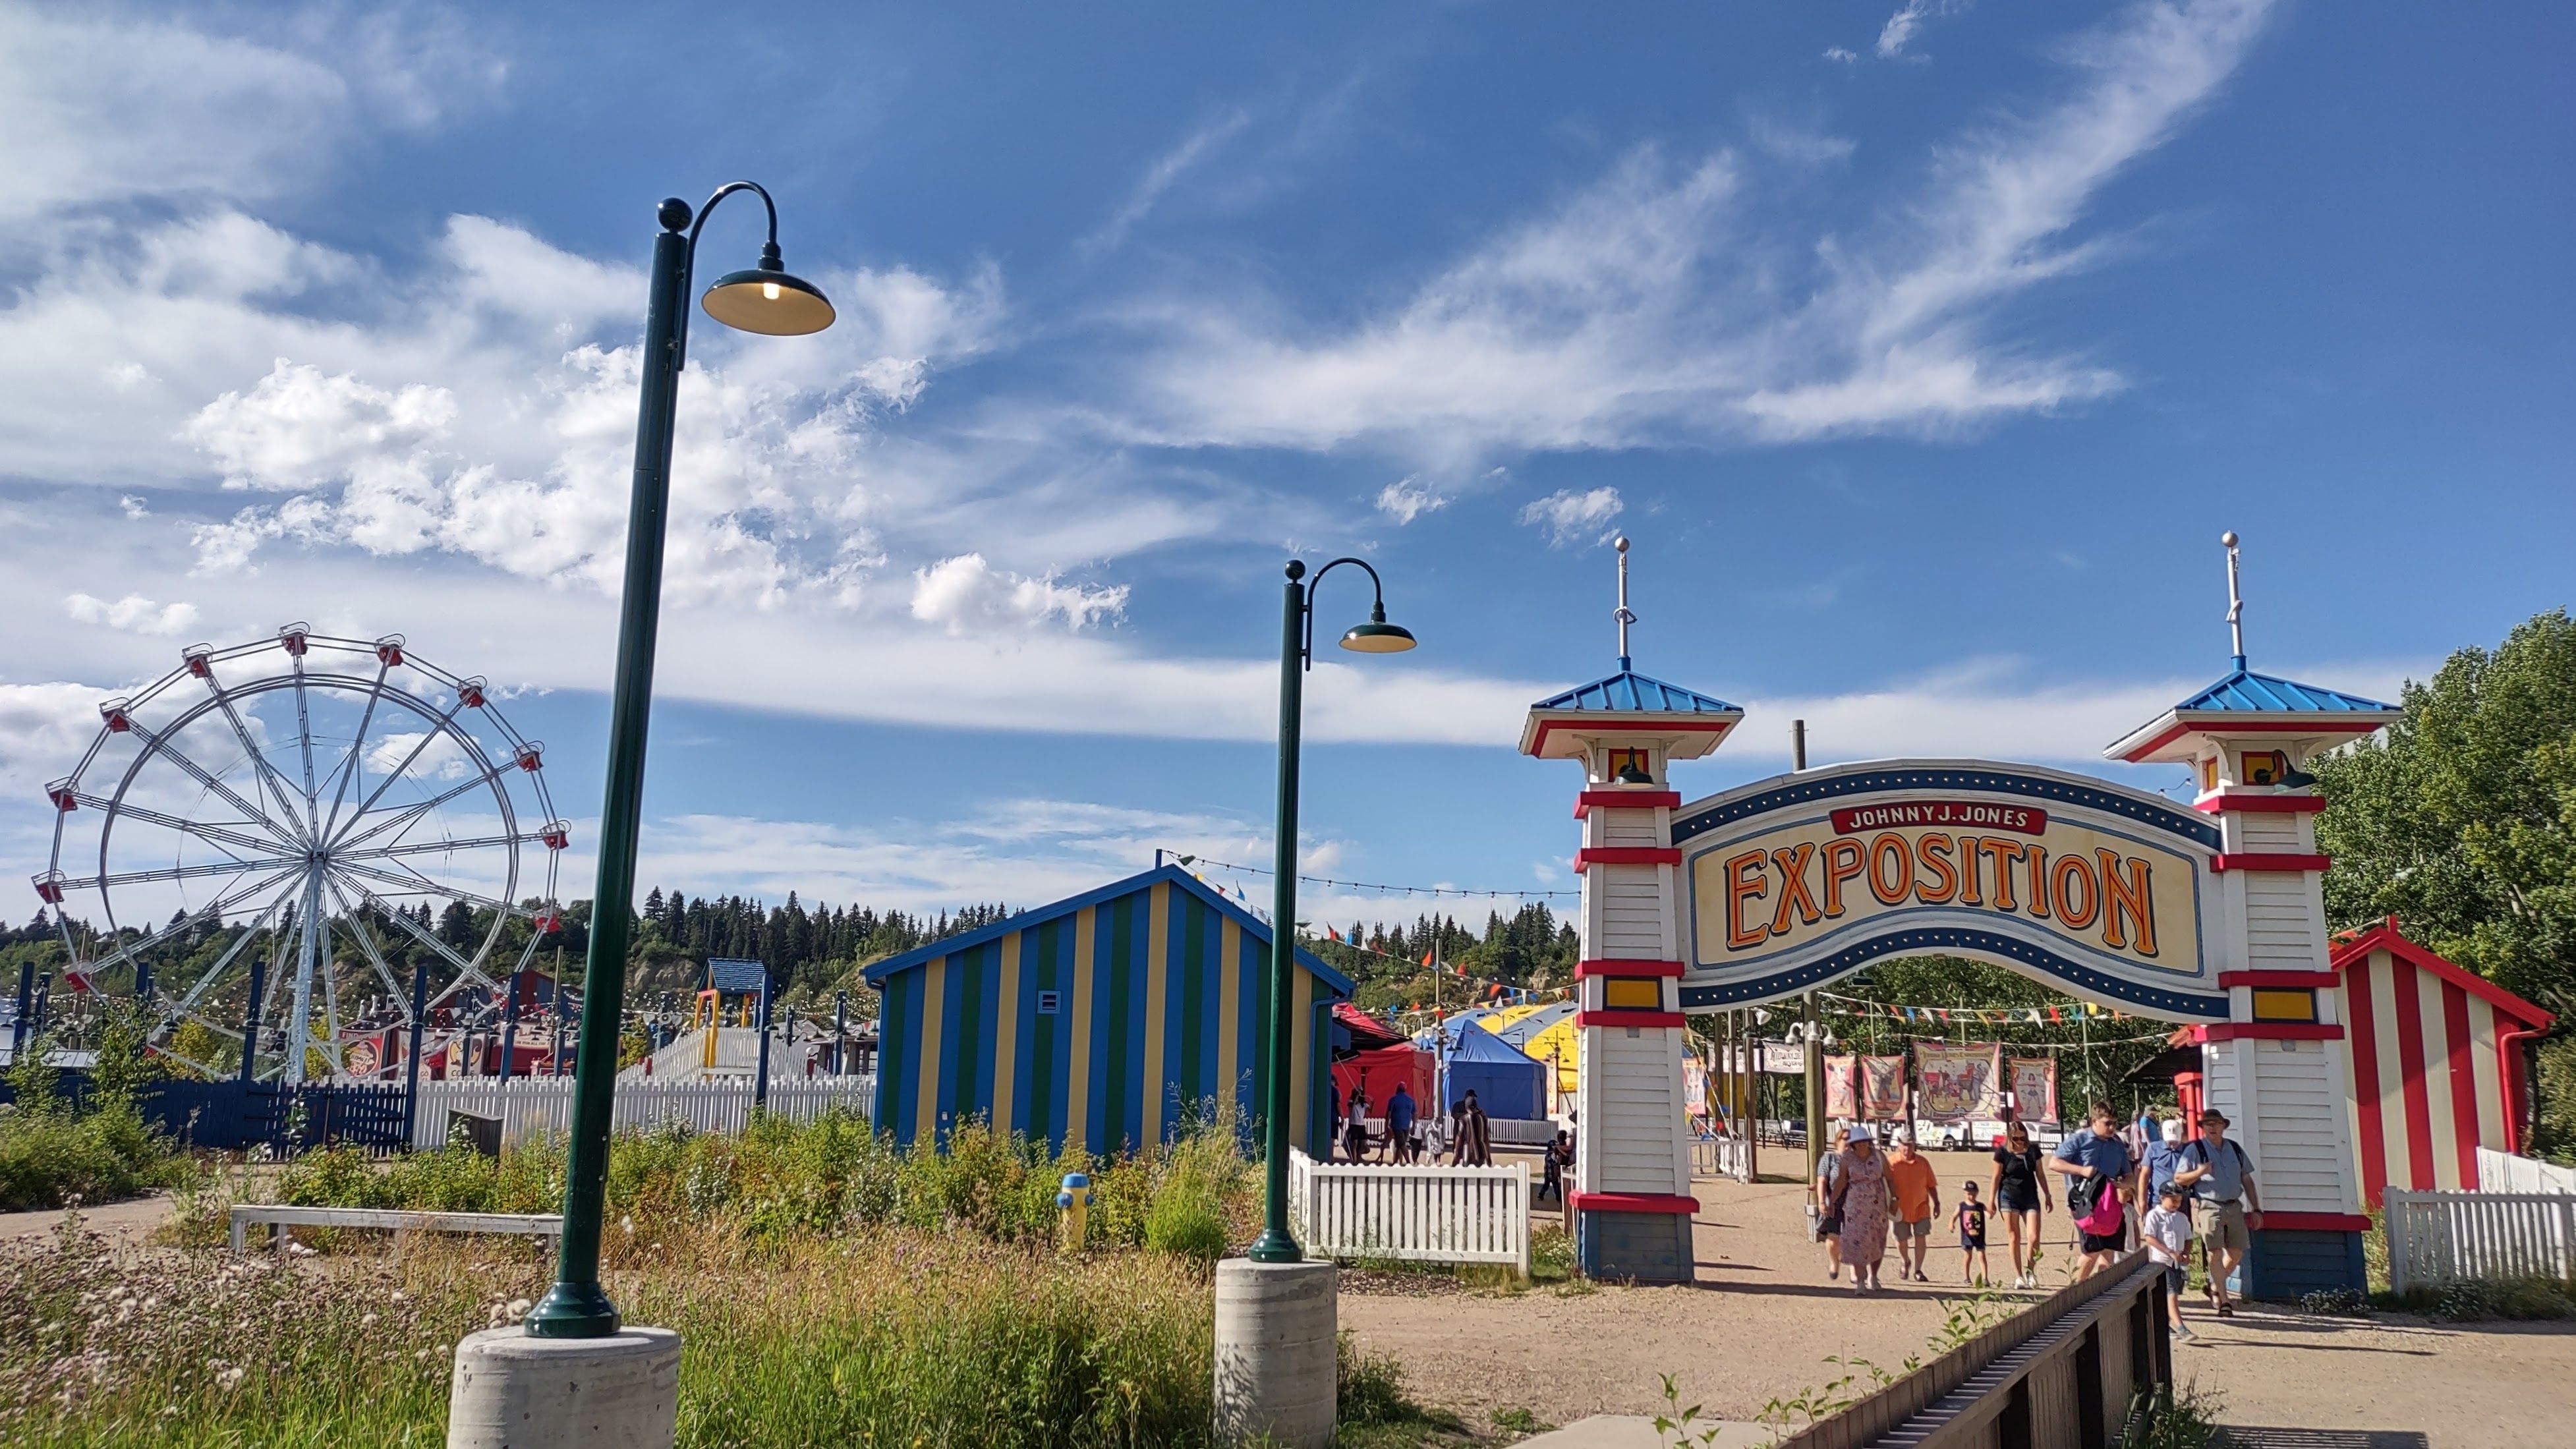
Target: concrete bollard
[
  {"x": 516, "y": 1392},
  {"x": 1275, "y": 1369}
]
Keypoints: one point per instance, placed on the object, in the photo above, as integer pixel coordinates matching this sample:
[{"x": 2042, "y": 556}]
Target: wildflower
[
  {"x": 229, "y": 1378},
  {"x": 400, "y": 1296},
  {"x": 366, "y": 1320},
  {"x": 519, "y": 1308}
]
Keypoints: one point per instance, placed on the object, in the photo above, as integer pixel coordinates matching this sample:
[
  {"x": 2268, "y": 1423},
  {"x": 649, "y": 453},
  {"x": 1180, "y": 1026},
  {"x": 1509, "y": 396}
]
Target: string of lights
[
  {"x": 1188, "y": 861},
  {"x": 1993, "y": 1015}
]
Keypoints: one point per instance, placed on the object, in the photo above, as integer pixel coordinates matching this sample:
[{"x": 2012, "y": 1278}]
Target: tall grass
[
  {"x": 782, "y": 1179},
  {"x": 887, "y": 1337}
]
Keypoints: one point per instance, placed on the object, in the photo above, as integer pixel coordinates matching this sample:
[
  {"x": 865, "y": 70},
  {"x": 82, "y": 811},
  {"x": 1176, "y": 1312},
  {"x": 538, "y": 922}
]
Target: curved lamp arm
[
  {"x": 1377, "y": 607},
  {"x": 689, "y": 260}
]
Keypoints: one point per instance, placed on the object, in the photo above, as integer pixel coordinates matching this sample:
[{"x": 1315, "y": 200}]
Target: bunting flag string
[
  {"x": 1981, "y": 1015},
  {"x": 1187, "y": 862}
]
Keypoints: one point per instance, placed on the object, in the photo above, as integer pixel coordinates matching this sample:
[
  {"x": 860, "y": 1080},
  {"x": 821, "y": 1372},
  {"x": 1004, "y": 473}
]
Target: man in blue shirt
[
  {"x": 2226, "y": 1206},
  {"x": 1399, "y": 1122},
  {"x": 2092, "y": 1160},
  {"x": 2164, "y": 1158}
]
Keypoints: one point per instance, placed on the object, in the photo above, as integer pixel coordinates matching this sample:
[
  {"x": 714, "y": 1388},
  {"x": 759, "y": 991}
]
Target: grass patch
[
  {"x": 893, "y": 1337},
  {"x": 2516, "y": 1300},
  {"x": 1373, "y": 1411},
  {"x": 2169, "y": 1420},
  {"x": 53, "y": 1154}
]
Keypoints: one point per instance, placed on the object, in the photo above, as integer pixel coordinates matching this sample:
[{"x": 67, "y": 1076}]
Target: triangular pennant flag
[{"x": 2053, "y": 1016}]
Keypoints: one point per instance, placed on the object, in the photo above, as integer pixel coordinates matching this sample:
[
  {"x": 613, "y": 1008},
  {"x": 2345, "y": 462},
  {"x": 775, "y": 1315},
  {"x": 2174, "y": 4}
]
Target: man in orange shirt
[{"x": 1917, "y": 1190}]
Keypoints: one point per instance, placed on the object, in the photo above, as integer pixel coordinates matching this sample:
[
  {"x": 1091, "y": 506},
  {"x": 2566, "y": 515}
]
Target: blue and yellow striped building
[{"x": 1099, "y": 1021}]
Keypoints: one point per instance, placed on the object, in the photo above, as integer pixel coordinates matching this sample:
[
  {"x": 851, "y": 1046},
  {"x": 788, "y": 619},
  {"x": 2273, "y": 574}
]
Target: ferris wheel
[{"x": 280, "y": 835}]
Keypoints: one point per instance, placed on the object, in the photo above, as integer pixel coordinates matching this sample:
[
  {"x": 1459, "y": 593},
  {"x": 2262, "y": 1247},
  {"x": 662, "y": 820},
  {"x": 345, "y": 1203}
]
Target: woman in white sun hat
[{"x": 1861, "y": 1201}]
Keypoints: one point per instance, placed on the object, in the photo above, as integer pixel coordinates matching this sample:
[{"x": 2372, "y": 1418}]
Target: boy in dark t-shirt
[{"x": 1971, "y": 1218}]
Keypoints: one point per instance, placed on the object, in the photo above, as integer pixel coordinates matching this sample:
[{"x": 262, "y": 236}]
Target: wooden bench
[{"x": 396, "y": 1220}]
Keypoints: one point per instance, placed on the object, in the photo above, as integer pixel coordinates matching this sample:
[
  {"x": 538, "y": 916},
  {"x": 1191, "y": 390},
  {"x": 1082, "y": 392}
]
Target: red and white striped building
[{"x": 2438, "y": 1063}]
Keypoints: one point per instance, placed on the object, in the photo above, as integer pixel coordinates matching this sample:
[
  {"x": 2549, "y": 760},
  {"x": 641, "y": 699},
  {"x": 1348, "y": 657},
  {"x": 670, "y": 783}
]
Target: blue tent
[{"x": 1506, "y": 1083}]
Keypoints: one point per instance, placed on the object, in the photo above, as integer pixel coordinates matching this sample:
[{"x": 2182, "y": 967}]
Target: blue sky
[{"x": 1923, "y": 348}]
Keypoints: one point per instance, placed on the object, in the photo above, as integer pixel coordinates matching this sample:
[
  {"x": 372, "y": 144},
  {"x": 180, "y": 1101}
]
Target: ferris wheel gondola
[{"x": 332, "y": 810}]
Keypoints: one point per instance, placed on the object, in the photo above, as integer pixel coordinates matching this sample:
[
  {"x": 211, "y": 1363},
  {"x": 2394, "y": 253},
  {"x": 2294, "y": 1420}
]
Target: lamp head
[
  {"x": 768, "y": 299},
  {"x": 1377, "y": 636}
]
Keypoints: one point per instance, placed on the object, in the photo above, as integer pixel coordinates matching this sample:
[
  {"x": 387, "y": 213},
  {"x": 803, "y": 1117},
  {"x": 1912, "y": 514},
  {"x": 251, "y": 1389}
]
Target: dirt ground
[
  {"x": 1763, "y": 1320},
  {"x": 131, "y": 1218}
]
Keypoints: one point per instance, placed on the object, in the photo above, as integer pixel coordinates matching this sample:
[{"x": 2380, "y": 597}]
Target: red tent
[
  {"x": 1366, "y": 1030},
  {"x": 1380, "y": 1070}
]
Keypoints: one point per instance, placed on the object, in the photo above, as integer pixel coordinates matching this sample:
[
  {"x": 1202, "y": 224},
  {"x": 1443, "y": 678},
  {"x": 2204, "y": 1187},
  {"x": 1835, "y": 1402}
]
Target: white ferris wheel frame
[{"x": 299, "y": 849}]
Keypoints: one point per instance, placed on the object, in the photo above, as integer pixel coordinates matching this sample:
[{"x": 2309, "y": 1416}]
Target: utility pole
[{"x": 1815, "y": 1059}]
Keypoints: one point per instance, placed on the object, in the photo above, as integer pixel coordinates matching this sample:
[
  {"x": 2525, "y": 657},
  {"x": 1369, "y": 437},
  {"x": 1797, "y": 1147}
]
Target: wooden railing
[
  {"x": 1411, "y": 1214},
  {"x": 1718, "y": 1157},
  {"x": 532, "y": 1107},
  {"x": 2059, "y": 1373},
  {"x": 2442, "y": 1237}
]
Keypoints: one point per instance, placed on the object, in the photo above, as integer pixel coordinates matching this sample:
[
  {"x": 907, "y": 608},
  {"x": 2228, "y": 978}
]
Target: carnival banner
[
  {"x": 1958, "y": 1083},
  {"x": 1785, "y": 1059},
  {"x": 1694, "y": 1087},
  {"x": 2034, "y": 1086},
  {"x": 1882, "y": 1088},
  {"x": 1839, "y": 1103}
]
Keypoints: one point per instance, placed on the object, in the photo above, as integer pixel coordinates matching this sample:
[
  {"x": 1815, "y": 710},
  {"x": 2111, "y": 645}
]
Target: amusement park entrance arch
[
  {"x": 2210, "y": 913},
  {"x": 1792, "y": 882}
]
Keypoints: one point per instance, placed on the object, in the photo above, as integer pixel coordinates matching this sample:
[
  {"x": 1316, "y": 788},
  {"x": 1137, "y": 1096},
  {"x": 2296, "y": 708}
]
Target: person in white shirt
[{"x": 2167, "y": 1229}]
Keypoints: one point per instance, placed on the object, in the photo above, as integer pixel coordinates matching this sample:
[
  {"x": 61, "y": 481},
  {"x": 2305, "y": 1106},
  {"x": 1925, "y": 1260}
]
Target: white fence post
[
  {"x": 1422, "y": 1214},
  {"x": 2441, "y": 1237},
  {"x": 534, "y": 1107}
]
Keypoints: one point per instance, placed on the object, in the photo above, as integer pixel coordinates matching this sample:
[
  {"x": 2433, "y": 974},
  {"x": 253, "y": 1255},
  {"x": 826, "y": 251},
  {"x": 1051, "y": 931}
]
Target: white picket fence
[
  {"x": 1718, "y": 1157},
  {"x": 2440, "y": 1237},
  {"x": 1411, "y": 1214},
  {"x": 2504, "y": 1172},
  {"x": 534, "y": 1107}
]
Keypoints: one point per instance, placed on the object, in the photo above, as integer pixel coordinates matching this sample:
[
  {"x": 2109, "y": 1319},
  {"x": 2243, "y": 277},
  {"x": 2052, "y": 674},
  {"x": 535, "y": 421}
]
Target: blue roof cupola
[
  {"x": 1628, "y": 707},
  {"x": 2301, "y": 718}
]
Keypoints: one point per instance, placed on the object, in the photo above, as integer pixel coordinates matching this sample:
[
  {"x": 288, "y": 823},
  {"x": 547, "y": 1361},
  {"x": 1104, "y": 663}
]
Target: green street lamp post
[
  {"x": 763, "y": 298},
  {"x": 1297, "y": 655}
]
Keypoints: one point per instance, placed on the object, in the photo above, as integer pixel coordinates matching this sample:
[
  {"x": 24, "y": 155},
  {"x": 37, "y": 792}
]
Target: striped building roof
[
  {"x": 1628, "y": 692},
  {"x": 2247, "y": 701},
  {"x": 2246, "y": 692}
]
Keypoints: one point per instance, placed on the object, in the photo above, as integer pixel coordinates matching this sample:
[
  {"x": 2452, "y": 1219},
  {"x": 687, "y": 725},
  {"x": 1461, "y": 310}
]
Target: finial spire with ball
[
  {"x": 2235, "y": 599},
  {"x": 1624, "y": 616}
]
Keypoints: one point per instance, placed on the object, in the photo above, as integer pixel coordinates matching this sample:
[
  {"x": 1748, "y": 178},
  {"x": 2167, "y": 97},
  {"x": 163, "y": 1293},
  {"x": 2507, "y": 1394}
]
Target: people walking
[
  {"x": 1861, "y": 1202},
  {"x": 1917, "y": 1192},
  {"x": 1399, "y": 1123},
  {"x": 2164, "y": 1156},
  {"x": 2021, "y": 1192},
  {"x": 2104, "y": 1227},
  {"x": 2166, "y": 1230},
  {"x": 1355, "y": 1135},
  {"x": 1458, "y": 1133},
  {"x": 1829, "y": 1223},
  {"x": 2095, "y": 1162},
  {"x": 1480, "y": 1134},
  {"x": 2225, "y": 1206},
  {"x": 1558, "y": 1158},
  {"x": 1971, "y": 1219}
]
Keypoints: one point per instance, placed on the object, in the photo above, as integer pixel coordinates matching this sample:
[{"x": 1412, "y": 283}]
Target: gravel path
[{"x": 1762, "y": 1322}]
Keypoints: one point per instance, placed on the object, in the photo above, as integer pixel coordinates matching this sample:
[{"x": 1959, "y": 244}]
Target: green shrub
[{"x": 50, "y": 1155}]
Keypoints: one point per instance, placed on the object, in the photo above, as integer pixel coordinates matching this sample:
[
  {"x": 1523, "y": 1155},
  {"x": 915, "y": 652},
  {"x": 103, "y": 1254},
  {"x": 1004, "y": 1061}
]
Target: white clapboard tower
[
  {"x": 2276, "y": 1066},
  {"x": 1632, "y": 1195}
]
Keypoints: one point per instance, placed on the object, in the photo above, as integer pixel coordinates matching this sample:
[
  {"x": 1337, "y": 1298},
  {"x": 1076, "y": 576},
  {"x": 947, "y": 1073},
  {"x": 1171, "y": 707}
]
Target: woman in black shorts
[{"x": 2020, "y": 1192}]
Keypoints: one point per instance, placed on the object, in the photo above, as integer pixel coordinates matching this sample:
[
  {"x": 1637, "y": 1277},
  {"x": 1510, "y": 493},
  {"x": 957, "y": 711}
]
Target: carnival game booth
[
  {"x": 1379, "y": 1070},
  {"x": 1105, "y": 1021},
  {"x": 2440, "y": 1063},
  {"x": 1509, "y": 1086}
]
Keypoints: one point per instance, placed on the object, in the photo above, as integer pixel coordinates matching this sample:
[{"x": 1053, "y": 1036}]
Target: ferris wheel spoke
[
  {"x": 304, "y": 737},
  {"x": 445, "y": 723},
  {"x": 348, "y": 767},
  {"x": 215, "y": 835},
  {"x": 435, "y": 847},
  {"x": 235, "y": 866},
  {"x": 414, "y": 881},
  {"x": 268, "y": 773},
  {"x": 409, "y": 813},
  {"x": 364, "y": 933},
  {"x": 188, "y": 1003},
  {"x": 161, "y": 744},
  {"x": 418, "y": 933},
  {"x": 125, "y": 949}
]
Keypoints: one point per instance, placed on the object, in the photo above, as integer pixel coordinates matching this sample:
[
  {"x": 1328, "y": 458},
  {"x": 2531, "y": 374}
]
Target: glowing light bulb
[{"x": 769, "y": 291}]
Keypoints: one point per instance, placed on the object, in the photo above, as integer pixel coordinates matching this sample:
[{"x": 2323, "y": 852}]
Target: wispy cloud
[
  {"x": 1567, "y": 516},
  {"x": 1406, "y": 500},
  {"x": 1159, "y": 177},
  {"x": 1901, "y": 27},
  {"x": 1659, "y": 305}
]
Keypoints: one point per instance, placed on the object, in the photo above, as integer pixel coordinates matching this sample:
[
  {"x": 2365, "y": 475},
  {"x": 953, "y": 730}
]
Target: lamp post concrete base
[
  {"x": 516, "y": 1392},
  {"x": 1275, "y": 1369}
]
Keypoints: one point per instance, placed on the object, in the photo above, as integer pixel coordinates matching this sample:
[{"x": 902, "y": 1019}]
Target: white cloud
[
  {"x": 1900, "y": 29},
  {"x": 1406, "y": 500},
  {"x": 134, "y": 613},
  {"x": 1840, "y": 55},
  {"x": 966, "y": 595},
  {"x": 1570, "y": 517},
  {"x": 102, "y": 108},
  {"x": 1661, "y": 305}
]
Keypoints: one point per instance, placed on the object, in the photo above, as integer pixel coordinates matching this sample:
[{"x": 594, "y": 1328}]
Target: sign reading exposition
[{"x": 1797, "y": 880}]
